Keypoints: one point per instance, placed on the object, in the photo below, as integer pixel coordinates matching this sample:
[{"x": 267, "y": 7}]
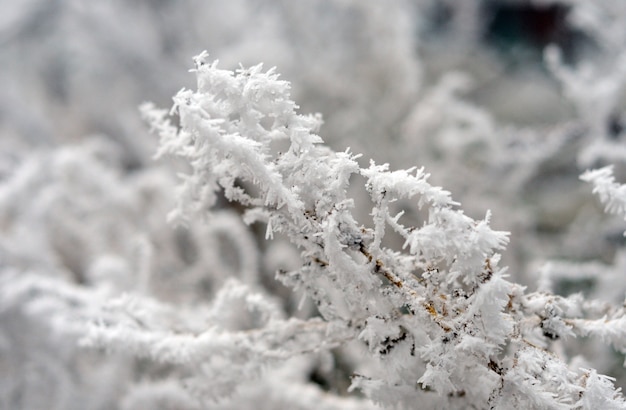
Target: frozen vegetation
[{"x": 448, "y": 232}]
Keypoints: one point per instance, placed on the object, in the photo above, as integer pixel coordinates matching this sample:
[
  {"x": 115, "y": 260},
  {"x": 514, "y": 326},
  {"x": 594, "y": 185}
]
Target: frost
[
  {"x": 611, "y": 194},
  {"x": 436, "y": 317},
  {"x": 296, "y": 273}
]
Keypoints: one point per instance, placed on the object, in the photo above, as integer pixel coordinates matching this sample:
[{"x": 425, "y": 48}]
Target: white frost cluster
[
  {"x": 612, "y": 194},
  {"x": 441, "y": 323},
  {"x": 294, "y": 273}
]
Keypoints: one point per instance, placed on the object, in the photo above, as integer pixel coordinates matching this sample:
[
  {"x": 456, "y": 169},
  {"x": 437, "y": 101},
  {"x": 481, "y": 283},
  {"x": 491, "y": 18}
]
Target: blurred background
[
  {"x": 72, "y": 70},
  {"x": 505, "y": 102}
]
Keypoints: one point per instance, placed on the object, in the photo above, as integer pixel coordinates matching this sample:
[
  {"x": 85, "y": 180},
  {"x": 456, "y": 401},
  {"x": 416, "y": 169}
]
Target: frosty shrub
[
  {"x": 293, "y": 273},
  {"x": 424, "y": 315}
]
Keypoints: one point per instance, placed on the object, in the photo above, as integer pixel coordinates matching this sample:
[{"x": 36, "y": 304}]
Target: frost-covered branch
[
  {"x": 438, "y": 316},
  {"x": 611, "y": 193}
]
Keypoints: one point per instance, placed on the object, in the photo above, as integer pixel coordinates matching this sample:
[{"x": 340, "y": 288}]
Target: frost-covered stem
[
  {"x": 284, "y": 340},
  {"x": 611, "y": 193},
  {"x": 437, "y": 314}
]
